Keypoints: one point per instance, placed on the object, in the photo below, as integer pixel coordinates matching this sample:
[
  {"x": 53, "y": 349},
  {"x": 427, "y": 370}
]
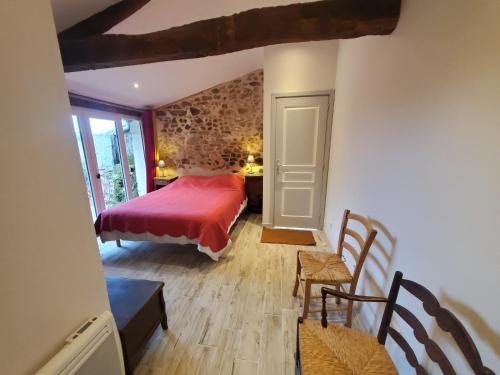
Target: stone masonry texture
[{"x": 215, "y": 129}]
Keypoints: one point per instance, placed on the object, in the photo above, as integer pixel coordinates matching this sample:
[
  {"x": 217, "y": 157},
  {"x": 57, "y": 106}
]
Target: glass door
[
  {"x": 85, "y": 165},
  {"x": 109, "y": 160},
  {"x": 134, "y": 147},
  {"x": 112, "y": 153}
]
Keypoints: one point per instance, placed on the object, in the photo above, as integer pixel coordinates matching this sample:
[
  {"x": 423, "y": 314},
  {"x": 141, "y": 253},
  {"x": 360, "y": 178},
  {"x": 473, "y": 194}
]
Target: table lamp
[
  {"x": 251, "y": 161},
  {"x": 161, "y": 165}
]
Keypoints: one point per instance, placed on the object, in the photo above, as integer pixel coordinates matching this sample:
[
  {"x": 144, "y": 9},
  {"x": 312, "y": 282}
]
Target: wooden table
[
  {"x": 160, "y": 182},
  {"x": 254, "y": 191}
]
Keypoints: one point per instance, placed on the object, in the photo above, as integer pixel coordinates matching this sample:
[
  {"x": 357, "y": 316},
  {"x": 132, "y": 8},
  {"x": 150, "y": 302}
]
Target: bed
[{"x": 191, "y": 210}]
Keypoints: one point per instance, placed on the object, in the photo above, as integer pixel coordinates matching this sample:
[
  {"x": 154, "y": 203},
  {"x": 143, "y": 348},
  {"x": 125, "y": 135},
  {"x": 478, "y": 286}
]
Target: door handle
[
  {"x": 98, "y": 176},
  {"x": 278, "y": 167}
]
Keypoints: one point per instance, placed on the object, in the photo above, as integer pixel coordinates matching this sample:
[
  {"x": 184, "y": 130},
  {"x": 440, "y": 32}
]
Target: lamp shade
[
  {"x": 250, "y": 159},
  {"x": 161, "y": 164}
]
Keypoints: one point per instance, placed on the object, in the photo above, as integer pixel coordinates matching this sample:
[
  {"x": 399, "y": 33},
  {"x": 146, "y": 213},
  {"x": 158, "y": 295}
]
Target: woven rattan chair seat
[
  {"x": 324, "y": 267},
  {"x": 339, "y": 350}
]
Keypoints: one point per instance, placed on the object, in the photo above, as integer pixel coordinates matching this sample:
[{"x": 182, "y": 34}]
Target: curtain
[{"x": 149, "y": 148}]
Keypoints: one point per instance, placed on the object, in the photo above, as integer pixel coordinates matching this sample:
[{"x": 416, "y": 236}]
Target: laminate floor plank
[{"x": 232, "y": 317}]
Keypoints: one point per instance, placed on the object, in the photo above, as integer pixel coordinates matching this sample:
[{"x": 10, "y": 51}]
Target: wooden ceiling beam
[
  {"x": 103, "y": 21},
  {"x": 320, "y": 20}
]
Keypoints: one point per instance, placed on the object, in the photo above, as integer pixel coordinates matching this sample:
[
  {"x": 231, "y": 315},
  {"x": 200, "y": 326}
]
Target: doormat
[{"x": 287, "y": 236}]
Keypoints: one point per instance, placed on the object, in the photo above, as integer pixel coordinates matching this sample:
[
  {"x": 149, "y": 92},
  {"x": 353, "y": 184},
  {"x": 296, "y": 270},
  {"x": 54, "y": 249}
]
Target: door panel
[
  {"x": 298, "y": 177},
  {"x": 109, "y": 160},
  {"x": 301, "y": 129},
  {"x": 297, "y": 202},
  {"x": 85, "y": 164},
  {"x": 299, "y": 144},
  {"x": 134, "y": 146}
]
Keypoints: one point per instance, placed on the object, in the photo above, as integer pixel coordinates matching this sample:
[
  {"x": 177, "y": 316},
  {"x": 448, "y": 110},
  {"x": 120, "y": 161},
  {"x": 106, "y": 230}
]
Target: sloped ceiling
[{"x": 164, "y": 82}]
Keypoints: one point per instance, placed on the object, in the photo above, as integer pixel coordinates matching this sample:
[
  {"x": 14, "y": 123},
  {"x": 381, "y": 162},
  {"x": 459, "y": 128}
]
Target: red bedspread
[{"x": 201, "y": 208}]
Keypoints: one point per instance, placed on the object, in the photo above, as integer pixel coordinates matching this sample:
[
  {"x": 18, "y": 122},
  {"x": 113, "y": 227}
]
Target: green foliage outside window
[{"x": 118, "y": 191}]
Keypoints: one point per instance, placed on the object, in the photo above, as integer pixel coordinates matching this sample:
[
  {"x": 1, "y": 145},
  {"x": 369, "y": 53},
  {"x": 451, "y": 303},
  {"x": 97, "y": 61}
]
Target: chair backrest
[
  {"x": 364, "y": 241},
  {"x": 445, "y": 319}
]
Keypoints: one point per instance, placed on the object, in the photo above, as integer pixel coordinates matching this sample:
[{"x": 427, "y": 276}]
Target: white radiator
[{"x": 94, "y": 349}]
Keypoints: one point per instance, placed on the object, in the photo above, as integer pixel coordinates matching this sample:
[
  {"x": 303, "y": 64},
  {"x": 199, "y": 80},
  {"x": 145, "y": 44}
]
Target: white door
[{"x": 301, "y": 125}]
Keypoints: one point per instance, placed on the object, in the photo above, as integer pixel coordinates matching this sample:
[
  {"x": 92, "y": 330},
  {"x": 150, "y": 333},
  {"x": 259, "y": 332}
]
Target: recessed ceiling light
[{"x": 136, "y": 85}]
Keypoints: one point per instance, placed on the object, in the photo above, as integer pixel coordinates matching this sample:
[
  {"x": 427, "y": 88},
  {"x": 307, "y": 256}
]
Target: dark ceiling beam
[
  {"x": 82, "y": 101},
  {"x": 103, "y": 21},
  {"x": 302, "y": 22}
]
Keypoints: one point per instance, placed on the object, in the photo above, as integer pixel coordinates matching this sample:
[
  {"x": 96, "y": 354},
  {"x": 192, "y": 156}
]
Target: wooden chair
[
  {"x": 330, "y": 269},
  {"x": 334, "y": 349}
]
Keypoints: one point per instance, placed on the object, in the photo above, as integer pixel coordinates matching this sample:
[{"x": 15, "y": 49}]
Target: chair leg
[
  {"x": 337, "y": 299},
  {"x": 296, "y": 287},
  {"x": 307, "y": 298},
  {"x": 348, "y": 322},
  {"x": 297, "y": 277},
  {"x": 297, "y": 349},
  {"x": 118, "y": 243}
]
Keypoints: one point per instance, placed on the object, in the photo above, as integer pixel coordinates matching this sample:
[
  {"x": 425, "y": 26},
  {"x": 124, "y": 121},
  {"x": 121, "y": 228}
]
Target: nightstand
[
  {"x": 254, "y": 191},
  {"x": 160, "y": 182}
]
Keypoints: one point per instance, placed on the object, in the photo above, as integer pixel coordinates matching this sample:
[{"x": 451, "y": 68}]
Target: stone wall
[{"x": 215, "y": 129}]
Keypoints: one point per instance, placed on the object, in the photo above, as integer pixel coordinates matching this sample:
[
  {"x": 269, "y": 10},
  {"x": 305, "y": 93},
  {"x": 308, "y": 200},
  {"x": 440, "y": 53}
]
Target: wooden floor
[{"x": 235, "y": 316}]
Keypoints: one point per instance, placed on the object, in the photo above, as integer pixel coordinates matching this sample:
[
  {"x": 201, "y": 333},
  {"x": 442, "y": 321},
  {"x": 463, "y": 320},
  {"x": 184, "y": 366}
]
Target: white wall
[
  {"x": 51, "y": 278},
  {"x": 416, "y": 145},
  {"x": 291, "y": 68}
]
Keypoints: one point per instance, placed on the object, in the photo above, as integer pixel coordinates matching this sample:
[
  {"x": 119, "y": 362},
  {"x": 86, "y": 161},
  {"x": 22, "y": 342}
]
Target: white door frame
[
  {"x": 326, "y": 156},
  {"x": 88, "y": 147}
]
